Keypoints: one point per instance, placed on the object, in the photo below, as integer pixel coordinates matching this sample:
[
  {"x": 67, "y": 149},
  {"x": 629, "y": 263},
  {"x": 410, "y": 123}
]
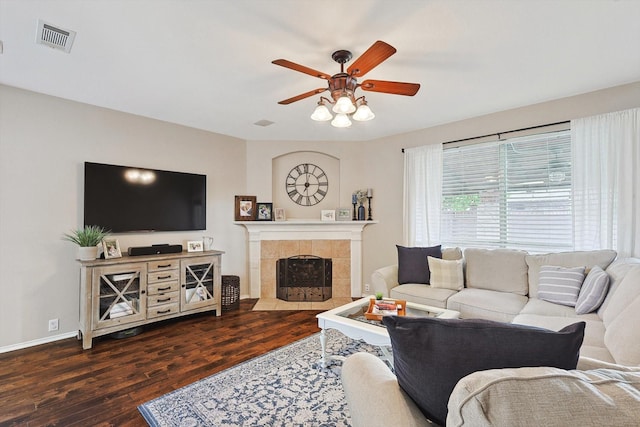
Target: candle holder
[
  {"x": 354, "y": 211},
  {"x": 369, "y": 219}
]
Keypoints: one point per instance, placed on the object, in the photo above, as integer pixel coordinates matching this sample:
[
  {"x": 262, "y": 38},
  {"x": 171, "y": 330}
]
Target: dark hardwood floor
[{"x": 61, "y": 384}]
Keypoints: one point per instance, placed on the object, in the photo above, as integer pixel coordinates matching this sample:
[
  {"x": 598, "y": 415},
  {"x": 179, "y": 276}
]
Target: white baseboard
[{"x": 33, "y": 343}]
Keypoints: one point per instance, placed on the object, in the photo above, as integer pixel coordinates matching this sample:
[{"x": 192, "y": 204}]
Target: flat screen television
[{"x": 125, "y": 199}]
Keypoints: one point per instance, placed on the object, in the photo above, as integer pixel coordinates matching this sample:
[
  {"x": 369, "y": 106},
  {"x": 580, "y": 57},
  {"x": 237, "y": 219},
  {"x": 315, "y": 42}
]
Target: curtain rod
[{"x": 498, "y": 134}]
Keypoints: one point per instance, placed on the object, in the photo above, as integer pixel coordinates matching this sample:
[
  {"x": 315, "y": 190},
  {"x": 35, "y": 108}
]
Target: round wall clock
[{"x": 307, "y": 184}]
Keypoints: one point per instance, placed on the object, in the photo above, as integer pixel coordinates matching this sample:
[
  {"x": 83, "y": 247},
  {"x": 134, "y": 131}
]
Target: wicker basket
[{"x": 230, "y": 293}]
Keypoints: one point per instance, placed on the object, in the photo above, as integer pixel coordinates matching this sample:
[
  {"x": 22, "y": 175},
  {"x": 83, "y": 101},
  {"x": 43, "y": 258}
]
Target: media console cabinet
[{"x": 122, "y": 293}]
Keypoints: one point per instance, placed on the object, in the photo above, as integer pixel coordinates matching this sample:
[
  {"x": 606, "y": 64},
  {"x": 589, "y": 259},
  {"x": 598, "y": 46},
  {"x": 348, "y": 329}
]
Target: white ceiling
[{"x": 207, "y": 64}]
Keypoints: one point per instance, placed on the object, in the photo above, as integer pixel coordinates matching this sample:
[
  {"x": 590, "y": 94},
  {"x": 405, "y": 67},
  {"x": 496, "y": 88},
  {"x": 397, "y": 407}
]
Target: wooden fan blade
[
  {"x": 301, "y": 68},
  {"x": 378, "y": 52},
  {"x": 396, "y": 88},
  {"x": 302, "y": 96}
]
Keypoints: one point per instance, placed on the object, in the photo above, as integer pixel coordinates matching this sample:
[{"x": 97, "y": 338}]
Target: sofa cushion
[
  {"x": 626, "y": 291},
  {"x": 593, "y": 291},
  {"x": 593, "y": 330},
  {"x": 622, "y": 336},
  {"x": 484, "y": 304},
  {"x": 431, "y": 355},
  {"x": 412, "y": 263},
  {"x": 422, "y": 294},
  {"x": 538, "y": 306},
  {"x": 588, "y": 259},
  {"x": 616, "y": 271},
  {"x": 451, "y": 254},
  {"x": 560, "y": 285},
  {"x": 364, "y": 372},
  {"x": 546, "y": 397},
  {"x": 503, "y": 270},
  {"x": 446, "y": 274}
]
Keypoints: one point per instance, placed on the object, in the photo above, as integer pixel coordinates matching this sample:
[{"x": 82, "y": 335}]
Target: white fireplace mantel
[{"x": 305, "y": 230}]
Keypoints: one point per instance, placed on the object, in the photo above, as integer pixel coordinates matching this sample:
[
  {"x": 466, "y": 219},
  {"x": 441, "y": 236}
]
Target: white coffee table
[{"x": 373, "y": 333}]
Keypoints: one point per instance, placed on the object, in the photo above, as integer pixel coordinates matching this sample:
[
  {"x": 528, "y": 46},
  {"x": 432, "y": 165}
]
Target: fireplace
[{"x": 304, "y": 278}]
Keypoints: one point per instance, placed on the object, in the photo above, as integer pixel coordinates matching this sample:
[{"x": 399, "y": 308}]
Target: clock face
[{"x": 307, "y": 184}]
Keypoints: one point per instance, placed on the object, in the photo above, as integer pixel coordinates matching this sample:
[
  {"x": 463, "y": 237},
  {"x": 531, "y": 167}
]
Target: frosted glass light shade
[
  {"x": 321, "y": 114},
  {"x": 344, "y": 105},
  {"x": 341, "y": 121},
  {"x": 363, "y": 113}
]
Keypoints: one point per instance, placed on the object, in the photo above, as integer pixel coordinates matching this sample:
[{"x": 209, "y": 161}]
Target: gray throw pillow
[
  {"x": 593, "y": 291},
  {"x": 413, "y": 266},
  {"x": 560, "y": 285},
  {"x": 431, "y": 355}
]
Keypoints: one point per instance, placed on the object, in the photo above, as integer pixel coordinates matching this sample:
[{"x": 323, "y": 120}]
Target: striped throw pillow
[
  {"x": 446, "y": 273},
  {"x": 560, "y": 285},
  {"x": 593, "y": 291}
]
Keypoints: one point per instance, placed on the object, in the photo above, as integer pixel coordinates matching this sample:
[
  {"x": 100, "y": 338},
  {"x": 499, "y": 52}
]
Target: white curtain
[
  {"x": 606, "y": 182},
  {"x": 422, "y": 195}
]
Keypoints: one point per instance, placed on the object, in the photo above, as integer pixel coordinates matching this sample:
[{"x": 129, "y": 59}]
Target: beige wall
[
  {"x": 44, "y": 142},
  {"x": 379, "y": 163}
]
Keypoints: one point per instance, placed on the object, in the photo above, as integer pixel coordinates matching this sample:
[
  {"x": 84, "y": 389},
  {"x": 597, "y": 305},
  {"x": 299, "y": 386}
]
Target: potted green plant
[{"x": 87, "y": 239}]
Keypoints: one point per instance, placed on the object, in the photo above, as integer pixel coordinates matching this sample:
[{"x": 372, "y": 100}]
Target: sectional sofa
[
  {"x": 502, "y": 285},
  {"x": 512, "y": 286}
]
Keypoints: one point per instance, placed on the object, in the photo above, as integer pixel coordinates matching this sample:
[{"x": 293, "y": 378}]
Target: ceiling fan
[{"x": 344, "y": 84}]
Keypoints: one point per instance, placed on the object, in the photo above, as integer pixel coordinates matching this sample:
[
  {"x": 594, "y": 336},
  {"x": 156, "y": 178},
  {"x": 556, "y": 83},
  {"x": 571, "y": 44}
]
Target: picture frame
[
  {"x": 245, "y": 208},
  {"x": 194, "y": 246},
  {"x": 343, "y": 214},
  {"x": 111, "y": 248},
  {"x": 265, "y": 211},
  {"x": 279, "y": 214},
  {"x": 328, "y": 215}
]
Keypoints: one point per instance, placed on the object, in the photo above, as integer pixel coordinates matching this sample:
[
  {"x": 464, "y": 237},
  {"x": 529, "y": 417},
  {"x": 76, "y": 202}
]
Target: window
[{"x": 513, "y": 193}]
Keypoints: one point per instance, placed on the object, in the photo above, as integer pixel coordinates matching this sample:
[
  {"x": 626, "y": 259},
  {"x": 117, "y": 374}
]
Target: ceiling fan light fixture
[
  {"x": 363, "y": 113},
  {"x": 341, "y": 121},
  {"x": 321, "y": 113},
  {"x": 343, "y": 85},
  {"x": 344, "y": 105}
]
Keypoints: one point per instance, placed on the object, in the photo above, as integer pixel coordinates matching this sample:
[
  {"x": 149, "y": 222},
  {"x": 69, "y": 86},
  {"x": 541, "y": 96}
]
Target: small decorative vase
[
  {"x": 87, "y": 253},
  {"x": 361, "y": 216}
]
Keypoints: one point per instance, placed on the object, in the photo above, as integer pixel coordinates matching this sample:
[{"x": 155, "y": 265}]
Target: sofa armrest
[
  {"x": 384, "y": 279},
  {"x": 374, "y": 396},
  {"x": 545, "y": 396}
]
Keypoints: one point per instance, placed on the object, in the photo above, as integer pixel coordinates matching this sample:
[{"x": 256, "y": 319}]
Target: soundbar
[{"x": 155, "y": 249}]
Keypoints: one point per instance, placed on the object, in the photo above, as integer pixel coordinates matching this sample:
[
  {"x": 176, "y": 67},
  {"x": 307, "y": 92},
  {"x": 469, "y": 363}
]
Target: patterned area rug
[{"x": 286, "y": 387}]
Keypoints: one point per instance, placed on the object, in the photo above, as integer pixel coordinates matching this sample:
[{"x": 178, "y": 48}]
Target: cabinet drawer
[
  {"x": 165, "y": 298},
  {"x": 162, "y": 287},
  {"x": 162, "y": 310},
  {"x": 167, "y": 264},
  {"x": 162, "y": 276}
]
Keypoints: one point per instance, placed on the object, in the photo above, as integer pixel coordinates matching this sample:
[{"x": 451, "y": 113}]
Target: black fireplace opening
[{"x": 303, "y": 278}]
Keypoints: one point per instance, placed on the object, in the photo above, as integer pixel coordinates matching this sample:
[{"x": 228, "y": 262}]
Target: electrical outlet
[
  {"x": 367, "y": 288},
  {"x": 53, "y": 325}
]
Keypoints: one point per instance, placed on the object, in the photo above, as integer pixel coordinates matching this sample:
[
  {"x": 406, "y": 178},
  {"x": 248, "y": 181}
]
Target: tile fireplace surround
[{"x": 339, "y": 240}]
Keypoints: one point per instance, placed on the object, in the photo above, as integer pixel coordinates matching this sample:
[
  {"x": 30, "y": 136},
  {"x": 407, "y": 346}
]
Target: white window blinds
[{"x": 514, "y": 193}]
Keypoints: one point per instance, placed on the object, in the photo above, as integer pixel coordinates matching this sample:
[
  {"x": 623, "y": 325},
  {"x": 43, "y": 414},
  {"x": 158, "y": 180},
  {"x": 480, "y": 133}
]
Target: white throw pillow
[
  {"x": 593, "y": 291},
  {"x": 446, "y": 274},
  {"x": 560, "y": 285}
]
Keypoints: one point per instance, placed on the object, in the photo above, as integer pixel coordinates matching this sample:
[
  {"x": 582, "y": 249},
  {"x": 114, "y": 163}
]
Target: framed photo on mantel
[
  {"x": 245, "y": 208},
  {"x": 265, "y": 211}
]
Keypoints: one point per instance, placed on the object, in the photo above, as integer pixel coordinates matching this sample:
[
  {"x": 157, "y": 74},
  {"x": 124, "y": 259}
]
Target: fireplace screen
[{"x": 303, "y": 278}]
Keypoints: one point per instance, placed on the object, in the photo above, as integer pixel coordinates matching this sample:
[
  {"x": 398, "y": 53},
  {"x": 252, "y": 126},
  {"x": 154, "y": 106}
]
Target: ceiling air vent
[{"x": 55, "y": 37}]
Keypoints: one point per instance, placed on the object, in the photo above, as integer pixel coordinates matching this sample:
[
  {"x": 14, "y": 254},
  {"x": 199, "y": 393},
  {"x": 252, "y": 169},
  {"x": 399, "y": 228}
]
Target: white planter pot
[{"x": 87, "y": 253}]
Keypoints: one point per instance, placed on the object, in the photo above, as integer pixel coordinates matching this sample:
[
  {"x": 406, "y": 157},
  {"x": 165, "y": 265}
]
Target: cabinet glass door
[
  {"x": 119, "y": 297},
  {"x": 197, "y": 284}
]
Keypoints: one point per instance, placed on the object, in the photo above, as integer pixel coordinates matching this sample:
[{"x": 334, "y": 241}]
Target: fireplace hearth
[{"x": 304, "y": 278}]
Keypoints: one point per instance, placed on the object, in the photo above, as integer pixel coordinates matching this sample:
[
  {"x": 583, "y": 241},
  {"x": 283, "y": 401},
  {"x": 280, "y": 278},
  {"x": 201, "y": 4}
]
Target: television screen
[{"x": 123, "y": 198}]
